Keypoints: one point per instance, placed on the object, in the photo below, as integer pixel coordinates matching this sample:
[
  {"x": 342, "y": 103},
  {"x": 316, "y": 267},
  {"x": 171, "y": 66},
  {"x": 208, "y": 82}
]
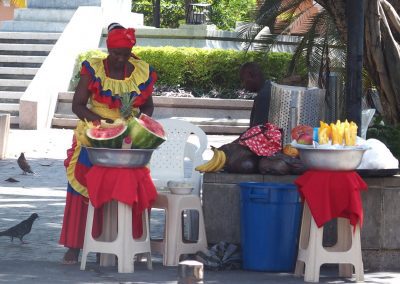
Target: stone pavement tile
[{"x": 39, "y": 261}]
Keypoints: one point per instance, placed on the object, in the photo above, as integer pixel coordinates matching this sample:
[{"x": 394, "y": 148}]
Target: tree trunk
[
  {"x": 381, "y": 48},
  {"x": 156, "y": 13}
]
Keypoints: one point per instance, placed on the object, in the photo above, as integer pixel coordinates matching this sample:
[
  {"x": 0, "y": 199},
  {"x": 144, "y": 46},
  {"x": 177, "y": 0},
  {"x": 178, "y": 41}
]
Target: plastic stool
[
  {"x": 172, "y": 246},
  {"x": 124, "y": 246},
  {"x": 312, "y": 254}
]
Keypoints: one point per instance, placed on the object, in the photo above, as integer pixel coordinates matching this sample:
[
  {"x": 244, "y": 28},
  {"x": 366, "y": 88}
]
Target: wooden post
[
  {"x": 4, "y": 130},
  {"x": 355, "y": 40}
]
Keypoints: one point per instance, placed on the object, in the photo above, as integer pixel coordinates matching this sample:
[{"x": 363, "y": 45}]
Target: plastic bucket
[{"x": 270, "y": 222}]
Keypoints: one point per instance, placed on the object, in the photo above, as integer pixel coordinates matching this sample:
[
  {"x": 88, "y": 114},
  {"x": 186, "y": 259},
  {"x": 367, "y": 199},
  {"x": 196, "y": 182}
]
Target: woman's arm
[
  {"x": 147, "y": 107},
  {"x": 80, "y": 100}
]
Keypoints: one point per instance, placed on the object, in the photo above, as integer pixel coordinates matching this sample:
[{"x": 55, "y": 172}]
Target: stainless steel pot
[
  {"x": 119, "y": 158},
  {"x": 343, "y": 159}
]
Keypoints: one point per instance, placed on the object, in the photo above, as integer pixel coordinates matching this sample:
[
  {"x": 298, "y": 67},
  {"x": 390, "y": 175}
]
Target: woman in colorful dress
[{"x": 103, "y": 83}]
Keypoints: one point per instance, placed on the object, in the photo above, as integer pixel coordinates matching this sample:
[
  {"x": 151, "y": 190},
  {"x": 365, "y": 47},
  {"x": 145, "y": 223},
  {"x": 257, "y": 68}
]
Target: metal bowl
[
  {"x": 343, "y": 159},
  {"x": 119, "y": 158}
]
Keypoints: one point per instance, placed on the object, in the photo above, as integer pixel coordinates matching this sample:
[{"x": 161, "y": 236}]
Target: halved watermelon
[
  {"x": 146, "y": 133},
  {"x": 107, "y": 136}
]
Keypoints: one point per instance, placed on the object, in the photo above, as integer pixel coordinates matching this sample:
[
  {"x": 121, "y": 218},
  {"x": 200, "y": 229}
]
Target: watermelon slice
[
  {"x": 146, "y": 133},
  {"x": 107, "y": 136}
]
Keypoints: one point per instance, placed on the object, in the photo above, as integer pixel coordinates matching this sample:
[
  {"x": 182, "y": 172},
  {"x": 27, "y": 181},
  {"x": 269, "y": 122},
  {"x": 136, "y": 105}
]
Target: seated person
[{"x": 253, "y": 80}]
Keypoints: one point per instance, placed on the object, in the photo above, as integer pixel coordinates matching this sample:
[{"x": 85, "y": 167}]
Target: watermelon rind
[
  {"x": 143, "y": 138},
  {"x": 114, "y": 142}
]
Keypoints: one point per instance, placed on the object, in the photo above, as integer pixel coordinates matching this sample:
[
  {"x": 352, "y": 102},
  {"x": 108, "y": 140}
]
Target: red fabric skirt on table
[
  {"x": 332, "y": 194},
  {"x": 132, "y": 186}
]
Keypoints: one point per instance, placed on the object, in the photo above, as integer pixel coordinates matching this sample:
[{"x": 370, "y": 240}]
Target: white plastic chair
[{"x": 177, "y": 158}]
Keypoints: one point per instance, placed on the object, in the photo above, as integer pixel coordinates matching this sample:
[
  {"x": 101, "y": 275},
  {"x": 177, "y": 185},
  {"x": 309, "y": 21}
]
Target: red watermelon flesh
[
  {"x": 151, "y": 125},
  {"x": 146, "y": 133},
  {"x": 107, "y": 137},
  {"x": 106, "y": 132}
]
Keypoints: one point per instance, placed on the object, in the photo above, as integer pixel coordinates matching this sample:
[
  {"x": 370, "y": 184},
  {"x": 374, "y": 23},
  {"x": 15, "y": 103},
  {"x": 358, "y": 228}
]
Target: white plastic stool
[
  {"x": 124, "y": 246},
  {"x": 173, "y": 246},
  {"x": 312, "y": 254}
]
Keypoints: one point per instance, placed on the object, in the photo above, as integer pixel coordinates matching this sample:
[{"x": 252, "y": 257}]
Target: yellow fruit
[{"x": 291, "y": 151}]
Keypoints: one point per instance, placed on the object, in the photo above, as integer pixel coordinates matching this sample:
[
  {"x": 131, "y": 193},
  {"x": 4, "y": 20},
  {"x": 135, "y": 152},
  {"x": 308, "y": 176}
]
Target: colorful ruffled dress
[{"x": 105, "y": 101}]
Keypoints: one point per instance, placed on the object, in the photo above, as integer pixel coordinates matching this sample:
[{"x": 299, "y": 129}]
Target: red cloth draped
[
  {"x": 132, "y": 186},
  {"x": 332, "y": 194}
]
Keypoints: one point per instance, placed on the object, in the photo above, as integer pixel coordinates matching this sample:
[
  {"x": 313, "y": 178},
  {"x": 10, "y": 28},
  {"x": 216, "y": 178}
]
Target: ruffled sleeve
[{"x": 108, "y": 91}]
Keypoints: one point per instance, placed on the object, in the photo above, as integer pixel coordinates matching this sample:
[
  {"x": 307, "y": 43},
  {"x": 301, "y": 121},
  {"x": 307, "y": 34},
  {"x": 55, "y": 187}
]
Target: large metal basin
[
  {"x": 343, "y": 159},
  {"x": 119, "y": 158}
]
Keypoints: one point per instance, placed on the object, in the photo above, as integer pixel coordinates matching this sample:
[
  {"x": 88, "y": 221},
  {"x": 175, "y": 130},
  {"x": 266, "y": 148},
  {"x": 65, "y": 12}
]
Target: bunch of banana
[{"x": 216, "y": 163}]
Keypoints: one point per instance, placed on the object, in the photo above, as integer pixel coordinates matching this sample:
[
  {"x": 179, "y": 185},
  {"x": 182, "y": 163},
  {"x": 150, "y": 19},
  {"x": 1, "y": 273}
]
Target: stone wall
[{"x": 380, "y": 235}]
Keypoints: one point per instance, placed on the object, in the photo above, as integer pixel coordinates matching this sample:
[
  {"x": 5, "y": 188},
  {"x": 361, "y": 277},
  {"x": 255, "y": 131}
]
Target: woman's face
[{"x": 118, "y": 57}]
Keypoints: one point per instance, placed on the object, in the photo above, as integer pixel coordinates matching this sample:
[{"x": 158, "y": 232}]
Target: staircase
[
  {"x": 45, "y": 16},
  {"x": 21, "y": 55},
  {"x": 26, "y": 41}
]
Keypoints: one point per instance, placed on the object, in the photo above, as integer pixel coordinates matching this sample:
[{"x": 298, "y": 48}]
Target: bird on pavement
[
  {"x": 23, "y": 164},
  {"x": 21, "y": 229}
]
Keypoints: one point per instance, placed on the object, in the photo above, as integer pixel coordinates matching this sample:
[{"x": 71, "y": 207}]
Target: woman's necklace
[{"x": 107, "y": 69}]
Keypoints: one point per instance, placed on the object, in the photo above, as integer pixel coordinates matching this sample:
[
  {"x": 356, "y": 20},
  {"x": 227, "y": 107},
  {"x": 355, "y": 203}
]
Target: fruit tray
[
  {"x": 332, "y": 158},
  {"x": 119, "y": 158}
]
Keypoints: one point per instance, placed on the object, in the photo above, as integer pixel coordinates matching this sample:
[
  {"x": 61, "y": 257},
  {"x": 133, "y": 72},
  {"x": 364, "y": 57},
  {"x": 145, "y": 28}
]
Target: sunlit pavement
[{"x": 39, "y": 261}]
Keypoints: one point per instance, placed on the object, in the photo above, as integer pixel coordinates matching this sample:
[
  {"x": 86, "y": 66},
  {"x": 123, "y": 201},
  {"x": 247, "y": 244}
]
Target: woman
[{"x": 103, "y": 83}]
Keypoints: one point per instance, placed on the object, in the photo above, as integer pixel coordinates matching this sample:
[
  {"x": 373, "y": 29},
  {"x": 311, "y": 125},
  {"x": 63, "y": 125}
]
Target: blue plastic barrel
[{"x": 270, "y": 223}]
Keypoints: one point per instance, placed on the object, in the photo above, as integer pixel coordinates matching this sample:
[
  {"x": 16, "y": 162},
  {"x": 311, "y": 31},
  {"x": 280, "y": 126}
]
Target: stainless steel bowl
[
  {"x": 344, "y": 159},
  {"x": 119, "y": 158}
]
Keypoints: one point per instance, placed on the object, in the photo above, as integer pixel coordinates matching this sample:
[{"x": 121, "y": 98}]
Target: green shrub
[
  {"x": 203, "y": 70},
  {"x": 208, "y": 68},
  {"x": 78, "y": 62}
]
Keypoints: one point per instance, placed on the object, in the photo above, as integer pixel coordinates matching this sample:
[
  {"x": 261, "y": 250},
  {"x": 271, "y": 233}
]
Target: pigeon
[
  {"x": 20, "y": 230},
  {"x": 23, "y": 164}
]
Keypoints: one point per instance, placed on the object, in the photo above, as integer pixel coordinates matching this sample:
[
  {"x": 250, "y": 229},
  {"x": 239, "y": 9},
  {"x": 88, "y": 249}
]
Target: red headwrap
[{"x": 121, "y": 38}]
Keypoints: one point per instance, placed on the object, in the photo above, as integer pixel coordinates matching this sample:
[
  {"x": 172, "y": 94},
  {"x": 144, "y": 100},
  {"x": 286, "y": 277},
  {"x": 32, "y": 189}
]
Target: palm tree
[
  {"x": 319, "y": 47},
  {"x": 325, "y": 35}
]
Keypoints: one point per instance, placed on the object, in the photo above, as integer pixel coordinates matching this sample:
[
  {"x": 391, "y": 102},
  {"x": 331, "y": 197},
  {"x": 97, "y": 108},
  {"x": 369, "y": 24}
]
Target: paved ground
[{"x": 38, "y": 261}]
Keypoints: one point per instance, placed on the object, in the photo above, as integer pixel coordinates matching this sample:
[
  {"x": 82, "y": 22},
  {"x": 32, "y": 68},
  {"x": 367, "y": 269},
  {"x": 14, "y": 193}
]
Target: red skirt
[{"x": 131, "y": 186}]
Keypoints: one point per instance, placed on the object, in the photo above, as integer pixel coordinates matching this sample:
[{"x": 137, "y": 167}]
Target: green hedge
[
  {"x": 197, "y": 68},
  {"x": 203, "y": 69}
]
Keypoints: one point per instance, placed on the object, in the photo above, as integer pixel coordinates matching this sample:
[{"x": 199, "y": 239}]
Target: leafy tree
[
  {"x": 172, "y": 12},
  {"x": 224, "y": 13},
  {"x": 328, "y": 28}
]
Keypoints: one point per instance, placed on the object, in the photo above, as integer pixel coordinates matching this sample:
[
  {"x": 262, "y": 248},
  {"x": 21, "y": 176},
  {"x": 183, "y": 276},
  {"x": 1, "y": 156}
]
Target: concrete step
[
  {"x": 14, "y": 83},
  {"x": 65, "y": 118},
  {"x": 51, "y": 15},
  {"x": 18, "y": 71},
  {"x": 25, "y": 47},
  {"x": 21, "y": 59},
  {"x": 9, "y": 108},
  {"x": 29, "y": 36},
  {"x": 62, "y": 4},
  {"x": 70, "y": 121},
  {"x": 33, "y": 26},
  {"x": 10, "y": 96}
]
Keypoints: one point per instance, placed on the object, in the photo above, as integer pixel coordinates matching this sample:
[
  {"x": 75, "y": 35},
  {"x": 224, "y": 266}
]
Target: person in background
[
  {"x": 253, "y": 80},
  {"x": 103, "y": 83}
]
